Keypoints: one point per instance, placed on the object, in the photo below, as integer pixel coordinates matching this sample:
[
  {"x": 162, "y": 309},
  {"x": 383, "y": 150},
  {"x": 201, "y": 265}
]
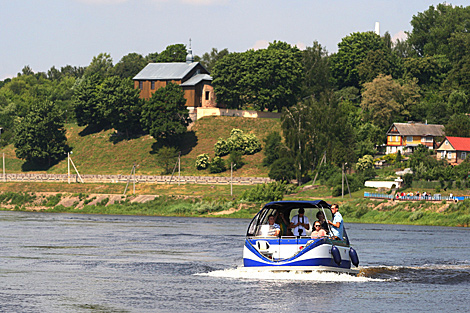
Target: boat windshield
[{"x": 284, "y": 214}]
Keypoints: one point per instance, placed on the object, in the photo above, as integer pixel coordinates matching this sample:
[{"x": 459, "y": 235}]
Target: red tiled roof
[{"x": 460, "y": 143}]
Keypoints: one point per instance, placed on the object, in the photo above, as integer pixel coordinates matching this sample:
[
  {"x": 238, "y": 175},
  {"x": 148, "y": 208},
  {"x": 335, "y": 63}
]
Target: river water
[{"x": 101, "y": 263}]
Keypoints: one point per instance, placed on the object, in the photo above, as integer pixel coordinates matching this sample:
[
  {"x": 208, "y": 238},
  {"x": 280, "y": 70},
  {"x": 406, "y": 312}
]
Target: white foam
[{"x": 248, "y": 273}]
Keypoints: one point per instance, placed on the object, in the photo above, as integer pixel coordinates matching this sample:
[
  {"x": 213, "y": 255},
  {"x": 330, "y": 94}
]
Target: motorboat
[{"x": 277, "y": 248}]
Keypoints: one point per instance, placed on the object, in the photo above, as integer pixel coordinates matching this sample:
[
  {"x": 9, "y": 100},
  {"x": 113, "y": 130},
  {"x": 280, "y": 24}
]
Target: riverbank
[{"x": 353, "y": 210}]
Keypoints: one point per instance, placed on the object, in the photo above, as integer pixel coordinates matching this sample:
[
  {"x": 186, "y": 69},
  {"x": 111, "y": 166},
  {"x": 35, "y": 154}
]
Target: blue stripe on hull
[
  {"x": 310, "y": 262},
  {"x": 293, "y": 260}
]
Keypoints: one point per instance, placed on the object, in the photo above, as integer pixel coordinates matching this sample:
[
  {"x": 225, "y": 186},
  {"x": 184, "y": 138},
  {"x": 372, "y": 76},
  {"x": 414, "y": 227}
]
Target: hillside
[{"x": 104, "y": 153}]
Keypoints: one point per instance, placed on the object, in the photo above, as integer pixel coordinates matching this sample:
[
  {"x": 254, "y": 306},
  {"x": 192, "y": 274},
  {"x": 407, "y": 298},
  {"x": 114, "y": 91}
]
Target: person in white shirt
[{"x": 300, "y": 224}]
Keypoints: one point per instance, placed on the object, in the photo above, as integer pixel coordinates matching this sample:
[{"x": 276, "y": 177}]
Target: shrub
[
  {"x": 217, "y": 165},
  {"x": 267, "y": 192},
  {"x": 221, "y": 147},
  {"x": 52, "y": 201},
  {"x": 202, "y": 161},
  {"x": 416, "y": 216},
  {"x": 246, "y": 144},
  {"x": 235, "y": 159},
  {"x": 282, "y": 170}
]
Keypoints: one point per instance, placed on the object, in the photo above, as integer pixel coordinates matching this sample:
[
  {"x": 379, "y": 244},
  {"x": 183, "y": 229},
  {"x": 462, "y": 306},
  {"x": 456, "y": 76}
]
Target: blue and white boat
[{"x": 265, "y": 249}]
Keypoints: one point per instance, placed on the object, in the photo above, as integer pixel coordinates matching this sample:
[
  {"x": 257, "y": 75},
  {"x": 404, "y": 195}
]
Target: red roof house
[{"x": 454, "y": 149}]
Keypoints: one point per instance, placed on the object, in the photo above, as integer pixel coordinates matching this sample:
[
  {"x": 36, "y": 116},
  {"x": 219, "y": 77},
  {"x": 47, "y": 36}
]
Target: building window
[
  {"x": 463, "y": 155},
  {"x": 443, "y": 154},
  {"x": 409, "y": 138},
  {"x": 449, "y": 155},
  {"x": 397, "y": 138},
  {"x": 153, "y": 85},
  {"x": 141, "y": 85},
  {"x": 208, "y": 94}
]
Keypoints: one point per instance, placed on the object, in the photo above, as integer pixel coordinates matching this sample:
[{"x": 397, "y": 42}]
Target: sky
[{"x": 46, "y": 33}]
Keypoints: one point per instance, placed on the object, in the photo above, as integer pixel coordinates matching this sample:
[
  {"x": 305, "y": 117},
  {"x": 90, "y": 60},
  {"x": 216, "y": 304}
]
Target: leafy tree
[
  {"x": 282, "y": 169},
  {"x": 210, "y": 59},
  {"x": 40, "y": 136},
  {"x": 86, "y": 101},
  {"x": 129, "y": 65},
  {"x": 352, "y": 51},
  {"x": 101, "y": 65},
  {"x": 458, "y": 126},
  {"x": 317, "y": 72},
  {"x": 433, "y": 28},
  {"x": 263, "y": 79},
  {"x": 429, "y": 71},
  {"x": 273, "y": 146},
  {"x": 385, "y": 100},
  {"x": 165, "y": 113},
  {"x": 172, "y": 53},
  {"x": 119, "y": 104}
]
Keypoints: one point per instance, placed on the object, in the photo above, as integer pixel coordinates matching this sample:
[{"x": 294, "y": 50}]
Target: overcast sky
[{"x": 46, "y": 33}]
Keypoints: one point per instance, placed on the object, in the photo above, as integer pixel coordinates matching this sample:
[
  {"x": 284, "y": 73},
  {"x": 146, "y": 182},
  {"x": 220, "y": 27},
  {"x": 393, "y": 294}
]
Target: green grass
[{"x": 103, "y": 153}]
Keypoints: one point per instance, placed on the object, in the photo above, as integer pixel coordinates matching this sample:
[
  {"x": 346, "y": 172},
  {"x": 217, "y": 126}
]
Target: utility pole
[
  {"x": 231, "y": 177},
  {"x": 342, "y": 180}
]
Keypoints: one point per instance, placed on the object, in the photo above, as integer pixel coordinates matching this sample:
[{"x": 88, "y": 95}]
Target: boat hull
[{"x": 313, "y": 255}]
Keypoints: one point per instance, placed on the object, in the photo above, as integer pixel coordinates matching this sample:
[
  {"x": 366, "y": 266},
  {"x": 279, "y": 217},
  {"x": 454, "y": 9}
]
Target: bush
[
  {"x": 282, "y": 170},
  {"x": 268, "y": 192},
  {"x": 217, "y": 165},
  {"x": 221, "y": 147},
  {"x": 236, "y": 159},
  {"x": 202, "y": 161},
  {"x": 246, "y": 144}
]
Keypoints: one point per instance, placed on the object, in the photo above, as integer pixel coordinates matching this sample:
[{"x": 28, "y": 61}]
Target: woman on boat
[{"x": 318, "y": 232}]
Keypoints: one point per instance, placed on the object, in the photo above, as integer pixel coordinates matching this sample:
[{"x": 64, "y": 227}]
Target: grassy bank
[
  {"x": 356, "y": 210},
  {"x": 102, "y": 152}
]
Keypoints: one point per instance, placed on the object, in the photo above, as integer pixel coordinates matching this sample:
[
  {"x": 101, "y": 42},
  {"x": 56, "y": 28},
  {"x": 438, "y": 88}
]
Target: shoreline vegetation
[{"x": 214, "y": 201}]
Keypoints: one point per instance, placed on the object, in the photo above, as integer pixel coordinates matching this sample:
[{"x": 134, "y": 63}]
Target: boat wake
[
  {"x": 427, "y": 273},
  {"x": 314, "y": 276}
]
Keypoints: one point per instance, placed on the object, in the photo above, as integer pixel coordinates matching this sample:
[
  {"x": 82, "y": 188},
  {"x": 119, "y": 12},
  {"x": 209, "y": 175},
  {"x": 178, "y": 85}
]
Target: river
[{"x": 102, "y": 263}]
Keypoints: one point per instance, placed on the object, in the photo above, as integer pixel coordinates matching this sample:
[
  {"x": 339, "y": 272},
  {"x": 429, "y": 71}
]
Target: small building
[
  {"x": 193, "y": 77},
  {"x": 454, "y": 150},
  {"x": 405, "y": 137}
]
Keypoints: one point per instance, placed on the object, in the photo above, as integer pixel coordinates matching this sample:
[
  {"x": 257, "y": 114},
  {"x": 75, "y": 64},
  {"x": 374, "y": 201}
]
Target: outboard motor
[
  {"x": 354, "y": 257},
  {"x": 336, "y": 255}
]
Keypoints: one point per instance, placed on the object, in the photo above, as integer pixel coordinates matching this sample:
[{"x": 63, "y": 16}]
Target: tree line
[{"x": 338, "y": 106}]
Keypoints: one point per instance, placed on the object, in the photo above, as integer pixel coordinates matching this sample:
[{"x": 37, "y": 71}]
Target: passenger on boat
[
  {"x": 318, "y": 232},
  {"x": 300, "y": 224},
  {"x": 274, "y": 229},
  {"x": 321, "y": 219},
  {"x": 283, "y": 223},
  {"x": 337, "y": 225}
]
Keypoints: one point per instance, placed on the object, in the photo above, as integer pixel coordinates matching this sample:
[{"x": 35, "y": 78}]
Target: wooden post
[
  {"x": 68, "y": 167},
  {"x": 4, "y": 175}
]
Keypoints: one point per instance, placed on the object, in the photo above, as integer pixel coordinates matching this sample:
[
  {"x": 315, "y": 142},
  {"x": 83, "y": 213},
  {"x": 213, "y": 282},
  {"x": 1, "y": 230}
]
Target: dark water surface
[{"x": 94, "y": 263}]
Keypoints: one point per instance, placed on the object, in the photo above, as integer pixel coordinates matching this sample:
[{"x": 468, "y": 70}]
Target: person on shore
[
  {"x": 300, "y": 224},
  {"x": 337, "y": 225},
  {"x": 318, "y": 232}
]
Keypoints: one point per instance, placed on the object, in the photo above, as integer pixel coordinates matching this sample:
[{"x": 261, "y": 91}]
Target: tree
[
  {"x": 385, "y": 100},
  {"x": 40, "y": 136},
  {"x": 263, "y": 79},
  {"x": 85, "y": 101},
  {"x": 172, "y": 53},
  {"x": 458, "y": 126},
  {"x": 101, "y": 65},
  {"x": 272, "y": 150},
  {"x": 165, "y": 113},
  {"x": 210, "y": 59},
  {"x": 316, "y": 70},
  {"x": 352, "y": 51},
  {"x": 119, "y": 104},
  {"x": 129, "y": 65},
  {"x": 433, "y": 28}
]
